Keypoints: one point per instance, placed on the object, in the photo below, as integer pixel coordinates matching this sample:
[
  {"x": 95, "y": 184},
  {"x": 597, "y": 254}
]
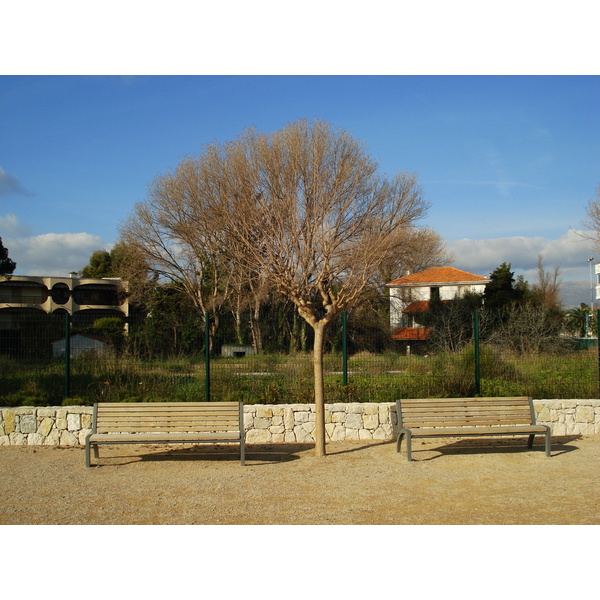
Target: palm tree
[{"x": 578, "y": 320}]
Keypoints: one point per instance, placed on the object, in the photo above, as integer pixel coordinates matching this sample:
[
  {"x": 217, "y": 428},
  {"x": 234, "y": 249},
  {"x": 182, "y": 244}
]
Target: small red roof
[
  {"x": 416, "y": 307},
  {"x": 439, "y": 275},
  {"x": 411, "y": 333}
]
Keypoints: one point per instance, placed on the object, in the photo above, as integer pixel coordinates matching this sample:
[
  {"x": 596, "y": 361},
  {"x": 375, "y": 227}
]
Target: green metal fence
[{"x": 189, "y": 360}]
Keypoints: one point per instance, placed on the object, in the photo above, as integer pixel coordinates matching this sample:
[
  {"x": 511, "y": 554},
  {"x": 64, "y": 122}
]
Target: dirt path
[{"x": 450, "y": 482}]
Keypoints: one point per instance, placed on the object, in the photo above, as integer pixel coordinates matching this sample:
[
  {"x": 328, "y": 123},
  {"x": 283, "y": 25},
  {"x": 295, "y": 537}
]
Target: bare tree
[
  {"x": 416, "y": 249},
  {"x": 593, "y": 213},
  {"x": 173, "y": 231},
  {"x": 307, "y": 207},
  {"x": 548, "y": 285}
]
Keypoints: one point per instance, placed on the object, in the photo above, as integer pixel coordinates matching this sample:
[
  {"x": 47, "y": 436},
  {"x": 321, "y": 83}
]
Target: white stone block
[
  {"x": 73, "y": 422},
  {"x": 371, "y": 421},
  {"x": 35, "y": 439},
  {"x": 338, "y": 417},
  {"x": 264, "y": 412},
  {"x": 302, "y": 435},
  {"x": 585, "y": 414},
  {"x": 83, "y": 434},
  {"x": 258, "y": 436},
  {"x": 300, "y": 417},
  {"x": 68, "y": 439},
  {"x": 354, "y": 421},
  {"x": 27, "y": 424},
  {"x": 339, "y": 433},
  {"x": 45, "y": 426},
  {"x": 288, "y": 419},
  {"x": 53, "y": 438},
  {"x": 46, "y": 412}
]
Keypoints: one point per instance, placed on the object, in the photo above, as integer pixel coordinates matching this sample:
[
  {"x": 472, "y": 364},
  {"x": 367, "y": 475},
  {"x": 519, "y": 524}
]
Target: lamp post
[
  {"x": 591, "y": 294},
  {"x": 591, "y": 284}
]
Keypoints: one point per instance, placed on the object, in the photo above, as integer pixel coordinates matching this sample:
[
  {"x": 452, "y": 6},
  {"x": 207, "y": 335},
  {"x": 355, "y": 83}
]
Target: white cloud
[
  {"x": 54, "y": 254},
  {"x": 9, "y": 225},
  {"x": 570, "y": 252}
]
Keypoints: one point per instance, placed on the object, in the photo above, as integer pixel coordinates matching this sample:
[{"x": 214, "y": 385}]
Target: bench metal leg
[
  {"x": 87, "y": 452},
  {"x": 401, "y": 434},
  {"x": 530, "y": 441},
  {"x": 548, "y": 442}
]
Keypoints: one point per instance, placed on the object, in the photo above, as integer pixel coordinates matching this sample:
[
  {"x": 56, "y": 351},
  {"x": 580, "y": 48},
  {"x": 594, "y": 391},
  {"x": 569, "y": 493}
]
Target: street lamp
[
  {"x": 591, "y": 284},
  {"x": 587, "y": 328}
]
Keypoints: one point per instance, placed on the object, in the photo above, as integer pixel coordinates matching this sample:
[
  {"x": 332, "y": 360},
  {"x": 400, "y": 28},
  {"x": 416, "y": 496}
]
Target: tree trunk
[
  {"x": 319, "y": 328},
  {"x": 255, "y": 329},
  {"x": 237, "y": 316}
]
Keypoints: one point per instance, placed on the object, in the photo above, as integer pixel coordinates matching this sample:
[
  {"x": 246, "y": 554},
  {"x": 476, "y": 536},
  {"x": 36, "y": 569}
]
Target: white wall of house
[{"x": 402, "y": 296}]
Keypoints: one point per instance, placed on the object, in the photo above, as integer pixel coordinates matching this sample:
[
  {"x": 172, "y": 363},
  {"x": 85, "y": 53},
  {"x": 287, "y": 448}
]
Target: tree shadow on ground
[
  {"x": 560, "y": 445},
  {"x": 255, "y": 453},
  {"x": 359, "y": 448}
]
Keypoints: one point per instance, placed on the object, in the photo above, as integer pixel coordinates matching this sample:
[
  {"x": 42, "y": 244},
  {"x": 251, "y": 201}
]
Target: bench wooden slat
[
  {"x": 169, "y": 422},
  {"x": 165, "y": 438},
  {"x": 456, "y": 417}
]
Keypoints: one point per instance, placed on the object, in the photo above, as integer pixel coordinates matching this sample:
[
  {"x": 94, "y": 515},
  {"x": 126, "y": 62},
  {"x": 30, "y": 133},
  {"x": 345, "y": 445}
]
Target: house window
[{"x": 434, "y": 294}]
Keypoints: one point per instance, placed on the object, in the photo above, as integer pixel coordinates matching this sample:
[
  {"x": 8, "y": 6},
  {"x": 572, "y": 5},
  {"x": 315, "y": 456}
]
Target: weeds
[{"x": 278, "y": 378}]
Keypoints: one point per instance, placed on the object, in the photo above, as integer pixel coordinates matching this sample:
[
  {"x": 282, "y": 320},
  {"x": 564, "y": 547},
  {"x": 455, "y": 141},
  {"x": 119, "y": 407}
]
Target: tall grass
[{"x": 280, "y": 378}]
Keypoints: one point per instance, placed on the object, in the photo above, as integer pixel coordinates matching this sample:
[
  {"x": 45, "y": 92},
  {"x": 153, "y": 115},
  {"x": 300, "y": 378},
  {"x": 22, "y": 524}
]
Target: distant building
[
  {"x": 236, "y": 351},
  {"x": 78, "y": 345},
  {"x": 28, "y": 303},
  {"x": 64, "y": 294},
  {"x": 410, "y": 295}
]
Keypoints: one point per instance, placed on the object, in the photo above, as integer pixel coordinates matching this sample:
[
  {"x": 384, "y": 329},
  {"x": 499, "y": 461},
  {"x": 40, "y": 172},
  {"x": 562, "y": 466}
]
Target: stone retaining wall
[{"x": 282, "y": 423}]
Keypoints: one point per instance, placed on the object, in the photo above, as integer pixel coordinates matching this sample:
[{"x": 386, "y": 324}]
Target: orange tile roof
[
  {"x": 410, "y": 333},
  {"x": 418, "y": 306},
  {"x": 439, "y": 275}
]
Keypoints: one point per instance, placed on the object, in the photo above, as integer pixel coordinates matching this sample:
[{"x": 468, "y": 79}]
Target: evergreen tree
[
  {"x": 502, "y": 290},
  {"x": 101, "y": 265},
  {"x": 7, "y": 266}
]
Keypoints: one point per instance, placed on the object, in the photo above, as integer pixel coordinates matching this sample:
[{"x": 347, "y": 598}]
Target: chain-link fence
[{"x": 267, "y": 358}]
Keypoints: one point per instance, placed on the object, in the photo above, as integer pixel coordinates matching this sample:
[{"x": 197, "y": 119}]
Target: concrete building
[
  {"x": 31, "y": 309},
  {"x": 64, "y": 294}
]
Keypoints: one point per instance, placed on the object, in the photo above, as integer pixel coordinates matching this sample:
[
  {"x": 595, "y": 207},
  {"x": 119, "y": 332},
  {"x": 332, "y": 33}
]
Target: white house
[{"x": 410, "y": 295}]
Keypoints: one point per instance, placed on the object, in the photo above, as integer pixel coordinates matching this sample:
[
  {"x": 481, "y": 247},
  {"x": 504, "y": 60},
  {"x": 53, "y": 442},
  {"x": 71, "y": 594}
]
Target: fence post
[
  {"x": 67, "y": 356},
  {"x": 207, "y": 356},
  {"x": 477, "y": 363},
  {"x": 344, "y": 349},
  {"x": 598, "y": 346}
]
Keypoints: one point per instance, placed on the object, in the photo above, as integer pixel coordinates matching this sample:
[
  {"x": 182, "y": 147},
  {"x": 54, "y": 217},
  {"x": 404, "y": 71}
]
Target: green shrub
[{"x": 77, "y": 402}]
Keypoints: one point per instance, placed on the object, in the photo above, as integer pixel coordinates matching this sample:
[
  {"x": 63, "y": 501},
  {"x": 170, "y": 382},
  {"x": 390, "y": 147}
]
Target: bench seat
[
  {"x": 166, "y": 423},
  {"x": 467, "y": 417}
]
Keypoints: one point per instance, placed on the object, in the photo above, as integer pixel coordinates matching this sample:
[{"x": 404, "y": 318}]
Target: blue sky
[{"x": 508, "y": 163}]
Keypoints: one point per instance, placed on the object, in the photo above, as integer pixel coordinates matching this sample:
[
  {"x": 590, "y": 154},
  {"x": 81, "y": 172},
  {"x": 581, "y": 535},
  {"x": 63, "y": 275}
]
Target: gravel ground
[{"x": 449, "y": 482}]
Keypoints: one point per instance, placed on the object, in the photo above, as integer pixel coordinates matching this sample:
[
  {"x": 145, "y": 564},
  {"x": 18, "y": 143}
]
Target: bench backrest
[
  {"x": 465, "y": 412},
  {"x": 168, "y": 417}
]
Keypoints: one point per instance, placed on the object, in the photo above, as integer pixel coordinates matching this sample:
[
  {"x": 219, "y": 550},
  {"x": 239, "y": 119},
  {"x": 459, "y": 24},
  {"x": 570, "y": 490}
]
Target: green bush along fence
[{"x": 188, "y": 361}]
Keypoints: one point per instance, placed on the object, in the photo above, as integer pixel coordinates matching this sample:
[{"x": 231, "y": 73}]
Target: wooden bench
[
  {"x": 166, "y": 423},
  {"x": 461, "y": 417}
]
